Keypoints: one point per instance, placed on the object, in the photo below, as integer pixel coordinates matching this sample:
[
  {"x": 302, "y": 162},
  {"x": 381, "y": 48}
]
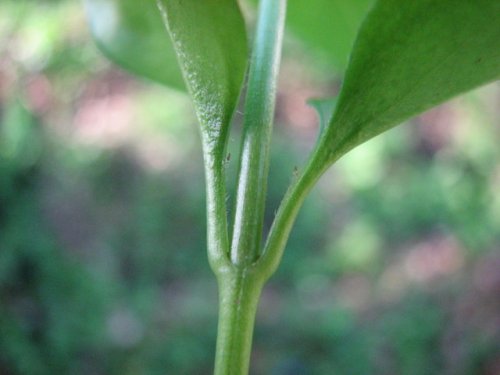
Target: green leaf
[
  {"x": 328, "y": 26},
  {"x": 131, "y": 33},
  {"x": 210, "y": 40},
  {"x": 324, "y": 108},
  {"x": 410, "y": 56}
]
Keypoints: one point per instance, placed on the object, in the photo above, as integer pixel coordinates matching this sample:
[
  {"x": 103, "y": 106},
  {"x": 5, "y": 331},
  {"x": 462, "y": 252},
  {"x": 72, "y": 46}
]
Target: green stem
[
  {"x": 287, "y": 213},
  {"x": 239, "y": 293},
  {"x": 240, "y": 283},
  {"x": 217, "y": 235},
  {"x": 259, "y": 113}
]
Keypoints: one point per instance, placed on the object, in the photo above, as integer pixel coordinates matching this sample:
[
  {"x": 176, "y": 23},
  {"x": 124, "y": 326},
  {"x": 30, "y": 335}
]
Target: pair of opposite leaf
[{"x": 407, "y": 57}]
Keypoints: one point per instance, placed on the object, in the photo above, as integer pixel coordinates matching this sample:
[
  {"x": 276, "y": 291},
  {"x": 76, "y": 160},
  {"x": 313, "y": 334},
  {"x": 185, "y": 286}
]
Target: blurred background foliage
[{"x": 392, "y": 268}]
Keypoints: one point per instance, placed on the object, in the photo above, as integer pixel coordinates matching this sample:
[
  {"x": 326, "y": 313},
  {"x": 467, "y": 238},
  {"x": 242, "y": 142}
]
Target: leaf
[
  {"x": 410, "y": 56},
  {"x": 324, "y": 108},
  {"x": 328, "y": 26},
  {"x": 210, "y": 40},
  {"x": 131, "y": 33}
]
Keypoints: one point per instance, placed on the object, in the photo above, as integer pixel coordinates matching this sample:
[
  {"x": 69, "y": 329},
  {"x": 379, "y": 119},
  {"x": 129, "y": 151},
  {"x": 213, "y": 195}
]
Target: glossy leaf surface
[
  {"x": 410, "y": 56},
  {"x": 210, "y": 40},
  {"x": 131, "y": 33}
]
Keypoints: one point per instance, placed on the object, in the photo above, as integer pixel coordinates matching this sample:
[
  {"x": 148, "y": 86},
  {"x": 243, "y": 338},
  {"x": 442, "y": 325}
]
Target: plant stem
[
  {"x": 259, "y": 113},
  {"x": 239, "y": 293},
  {"x": 217, "y": 236},
  {"x": 287, "y": 213},
  {"x": 239, "y": 281}
]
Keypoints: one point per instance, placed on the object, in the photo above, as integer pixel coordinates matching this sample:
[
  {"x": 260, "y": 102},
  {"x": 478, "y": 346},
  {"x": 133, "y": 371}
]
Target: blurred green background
[{"x": 393, "y": 266}]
